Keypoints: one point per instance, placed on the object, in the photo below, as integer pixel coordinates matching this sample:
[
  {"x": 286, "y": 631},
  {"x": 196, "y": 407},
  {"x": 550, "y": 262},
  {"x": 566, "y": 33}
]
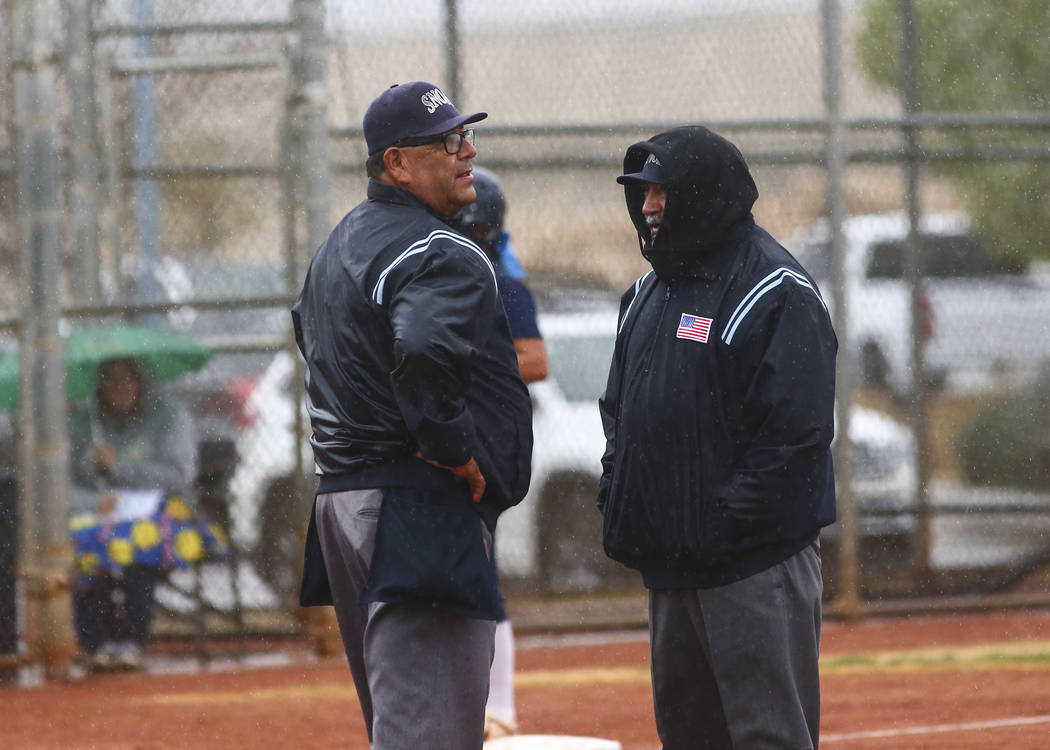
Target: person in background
[
  {"x": 131, "y": 438},
  {"x": 422, "y": 430},
  {"x": 717, "y": 474},
  {"x": 483, "y": 222}
]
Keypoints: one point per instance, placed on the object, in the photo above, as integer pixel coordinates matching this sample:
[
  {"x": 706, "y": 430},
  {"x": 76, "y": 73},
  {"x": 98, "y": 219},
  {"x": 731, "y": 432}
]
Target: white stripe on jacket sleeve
[
  {"x": 637, "y": 288},
  {"x": 767, "y": 284},
  {"x": 422, "y": 246}
]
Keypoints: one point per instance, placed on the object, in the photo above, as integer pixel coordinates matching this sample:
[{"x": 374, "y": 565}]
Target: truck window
[
  {"x": 943, "y": 257},
  {"x": 580, "y": 364},
  {"x": 816, "y": 259}
]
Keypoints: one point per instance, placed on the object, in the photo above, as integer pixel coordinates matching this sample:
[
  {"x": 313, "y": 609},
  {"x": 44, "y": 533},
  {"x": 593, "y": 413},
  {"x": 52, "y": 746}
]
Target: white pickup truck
[
  {"x": 554, "y": 536},
  {"x": 984, "y": 321}
]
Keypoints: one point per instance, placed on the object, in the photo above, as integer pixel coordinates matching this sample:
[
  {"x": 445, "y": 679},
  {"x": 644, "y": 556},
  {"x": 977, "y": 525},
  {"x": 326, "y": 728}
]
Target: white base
[{"x": 551, "y": 742}]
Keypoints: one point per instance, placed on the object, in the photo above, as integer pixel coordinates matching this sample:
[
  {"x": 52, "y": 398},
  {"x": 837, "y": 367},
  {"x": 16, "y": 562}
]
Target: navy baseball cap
[
  {"x": 411, "y": 110},
  {"x": 652, "y": 171}
]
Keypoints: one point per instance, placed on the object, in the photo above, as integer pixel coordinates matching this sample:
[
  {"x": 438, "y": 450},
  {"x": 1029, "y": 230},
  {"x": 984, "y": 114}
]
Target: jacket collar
[
  {"x": 713, "y": 266},
  {"x": 381, "y": 191}
]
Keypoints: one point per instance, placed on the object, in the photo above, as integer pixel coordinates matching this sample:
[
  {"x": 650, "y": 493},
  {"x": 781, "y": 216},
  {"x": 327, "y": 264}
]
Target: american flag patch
[{"x": 694, "y": 327}]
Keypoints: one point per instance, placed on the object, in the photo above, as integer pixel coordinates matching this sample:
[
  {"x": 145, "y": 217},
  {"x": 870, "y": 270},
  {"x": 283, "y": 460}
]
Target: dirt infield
[{"x": 974, "y": 681}]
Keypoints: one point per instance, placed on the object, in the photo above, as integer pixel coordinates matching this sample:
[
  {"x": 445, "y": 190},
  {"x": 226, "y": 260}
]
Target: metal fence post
[
  {"x": 47, "y": 552},
  {"x": 311, "y": 109},
  {"x": 311, "y": 179},
  {"x": 112, "y": 240},
  {"x": 915, "y": 270},
  {"x": 848, "y": 596},
  {"x": 83, "y": 151},
  {"x": 145, "y": 154},
  {"x": 452, "y": 51}
]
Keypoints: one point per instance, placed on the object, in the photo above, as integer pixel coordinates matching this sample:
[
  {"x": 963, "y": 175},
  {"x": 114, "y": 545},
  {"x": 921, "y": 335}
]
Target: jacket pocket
[
  {"x": 506, "y": 461},
  {"x": 430, "y": 551},
  {"x": 632, "y": 526}
]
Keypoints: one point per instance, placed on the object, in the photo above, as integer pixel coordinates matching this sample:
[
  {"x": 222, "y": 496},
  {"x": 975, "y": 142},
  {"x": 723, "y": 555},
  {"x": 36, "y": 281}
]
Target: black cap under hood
[{"x": 709, "y": 192}]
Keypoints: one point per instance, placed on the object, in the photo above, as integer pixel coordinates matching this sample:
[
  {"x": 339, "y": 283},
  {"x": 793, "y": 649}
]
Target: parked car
[
  {"x": 553, "y": 537},
  {"x": 558, "y": 514},
  {"x": 268, "y": 507},
  {"x": 983, "y": 316},
  {"x": 885, "y": 476},
  {"x": 217, "y": 395},
  {"x": 555, "y": 534}
]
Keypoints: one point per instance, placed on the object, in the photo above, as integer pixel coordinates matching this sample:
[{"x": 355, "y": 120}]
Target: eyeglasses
[{"x": 453, "y": 142}]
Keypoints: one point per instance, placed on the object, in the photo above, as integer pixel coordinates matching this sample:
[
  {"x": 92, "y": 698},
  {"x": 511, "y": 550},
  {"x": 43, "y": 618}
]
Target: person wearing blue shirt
[{"x": 482, "y": 221}]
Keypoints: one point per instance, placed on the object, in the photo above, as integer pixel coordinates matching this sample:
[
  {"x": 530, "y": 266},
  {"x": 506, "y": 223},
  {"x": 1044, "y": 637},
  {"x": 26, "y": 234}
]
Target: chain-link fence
[
  {"x": 9, "y": 636},
  {"x": 195, "y": 189}
]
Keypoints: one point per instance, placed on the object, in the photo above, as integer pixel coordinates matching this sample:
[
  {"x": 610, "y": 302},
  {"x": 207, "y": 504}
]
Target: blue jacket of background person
[
  {"x": 447, "y": 386},
  {"x": 719, "y": 408}
]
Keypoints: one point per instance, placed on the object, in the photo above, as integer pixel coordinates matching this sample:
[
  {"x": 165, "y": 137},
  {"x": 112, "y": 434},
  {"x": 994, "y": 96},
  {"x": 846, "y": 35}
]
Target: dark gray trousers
[
  {"x": 422, "y": 675},
  {"x": 736, "y": 666}
]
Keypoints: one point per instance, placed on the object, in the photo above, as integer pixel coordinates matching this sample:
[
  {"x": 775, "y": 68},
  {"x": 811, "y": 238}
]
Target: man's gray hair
[{"x": 374, "y": 166}]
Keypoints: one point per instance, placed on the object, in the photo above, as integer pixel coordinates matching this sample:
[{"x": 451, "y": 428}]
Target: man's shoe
[
  {"x": 102, "y": 660},
  {"x": 129, "y": 656}
]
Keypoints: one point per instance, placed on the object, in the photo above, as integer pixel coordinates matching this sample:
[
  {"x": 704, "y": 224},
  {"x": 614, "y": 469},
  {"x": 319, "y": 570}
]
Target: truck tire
[
  {"x": 279, "y": 552},
  {"x": 874, "y": 367}
]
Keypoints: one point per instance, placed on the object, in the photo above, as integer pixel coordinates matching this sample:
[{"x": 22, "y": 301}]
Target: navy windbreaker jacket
[
  {"x": 408, "y": 351},
  {"x": 719, "y": 407},
  {"x": 399, "y": 360}
]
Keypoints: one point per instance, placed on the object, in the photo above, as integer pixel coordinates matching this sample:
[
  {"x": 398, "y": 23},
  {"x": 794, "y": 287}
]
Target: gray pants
[
  {"x": 422, "y": 676},
  {"x": 736, "y": 666}
]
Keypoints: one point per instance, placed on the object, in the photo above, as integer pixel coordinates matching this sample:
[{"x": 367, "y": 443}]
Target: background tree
[{"x": 976, "y": 55}]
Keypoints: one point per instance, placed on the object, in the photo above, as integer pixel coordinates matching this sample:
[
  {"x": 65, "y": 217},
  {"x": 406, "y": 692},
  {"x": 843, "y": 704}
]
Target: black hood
[{"x": 709, "y": 192}]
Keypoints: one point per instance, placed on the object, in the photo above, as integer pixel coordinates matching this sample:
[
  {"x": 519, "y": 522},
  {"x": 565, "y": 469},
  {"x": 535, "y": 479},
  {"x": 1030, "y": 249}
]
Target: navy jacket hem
[{"x": 722, "y": 575}]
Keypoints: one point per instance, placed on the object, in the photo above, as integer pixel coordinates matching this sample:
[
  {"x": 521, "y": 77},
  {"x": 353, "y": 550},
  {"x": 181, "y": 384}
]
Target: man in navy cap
[{"x": 422, "y": 430}]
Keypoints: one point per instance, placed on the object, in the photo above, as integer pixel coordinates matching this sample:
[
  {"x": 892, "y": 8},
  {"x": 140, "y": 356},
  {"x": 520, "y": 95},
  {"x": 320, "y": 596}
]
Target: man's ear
[{"x": 397, "y": 166}]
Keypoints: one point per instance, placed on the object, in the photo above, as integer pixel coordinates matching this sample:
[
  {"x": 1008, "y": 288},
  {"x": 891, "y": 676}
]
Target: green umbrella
[
  {"x": 167, "y": 354},
  {"x": 9, "y": 381}
]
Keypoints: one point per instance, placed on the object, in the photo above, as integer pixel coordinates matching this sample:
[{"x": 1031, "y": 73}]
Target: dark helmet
[{"x": 487, "y": 211}]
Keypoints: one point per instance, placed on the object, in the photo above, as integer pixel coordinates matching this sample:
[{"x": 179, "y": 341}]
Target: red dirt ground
[{"x": 973, "y": 681}]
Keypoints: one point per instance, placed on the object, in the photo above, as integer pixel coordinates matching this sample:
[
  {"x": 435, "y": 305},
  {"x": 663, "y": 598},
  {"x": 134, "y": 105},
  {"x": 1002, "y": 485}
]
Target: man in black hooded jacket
[{"x": 717, "y": 474}]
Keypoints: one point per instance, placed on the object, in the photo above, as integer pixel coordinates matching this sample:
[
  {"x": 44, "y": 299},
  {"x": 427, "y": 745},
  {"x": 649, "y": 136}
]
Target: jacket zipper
[
  {"x": 628, "y": 332},
  {"x": 659, "y": 329}
]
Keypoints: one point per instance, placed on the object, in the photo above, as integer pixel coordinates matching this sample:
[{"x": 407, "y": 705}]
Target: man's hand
[
  {"x": 106, "y": 503},
  {"x": 468, "y": 471}
]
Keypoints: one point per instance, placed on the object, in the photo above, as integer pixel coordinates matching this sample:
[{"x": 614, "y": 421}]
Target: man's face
[
  {"x": 441, "y": 180},
  {"x": 653, "y": 206}
]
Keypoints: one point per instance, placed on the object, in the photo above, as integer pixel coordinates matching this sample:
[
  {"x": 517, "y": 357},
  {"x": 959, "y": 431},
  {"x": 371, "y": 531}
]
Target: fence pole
[
  {"x": 145, "y": 155},
  {"x": 112, "y": 239},
  {"x": 311, "y": 182},
  {"x": 848, "y": 571},
  {"x": 84, "y": 159},
  {"x": 913, "y": 157},
  {"x": 47, "y": 552},
  {"x": 452, "y": 51},
  {"x": 311, "y": 106}
]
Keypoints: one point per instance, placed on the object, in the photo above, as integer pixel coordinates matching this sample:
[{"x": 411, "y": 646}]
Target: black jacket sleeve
[
  {"x": 785, "y": 381},
  {"x": 436, "y": 311}
]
